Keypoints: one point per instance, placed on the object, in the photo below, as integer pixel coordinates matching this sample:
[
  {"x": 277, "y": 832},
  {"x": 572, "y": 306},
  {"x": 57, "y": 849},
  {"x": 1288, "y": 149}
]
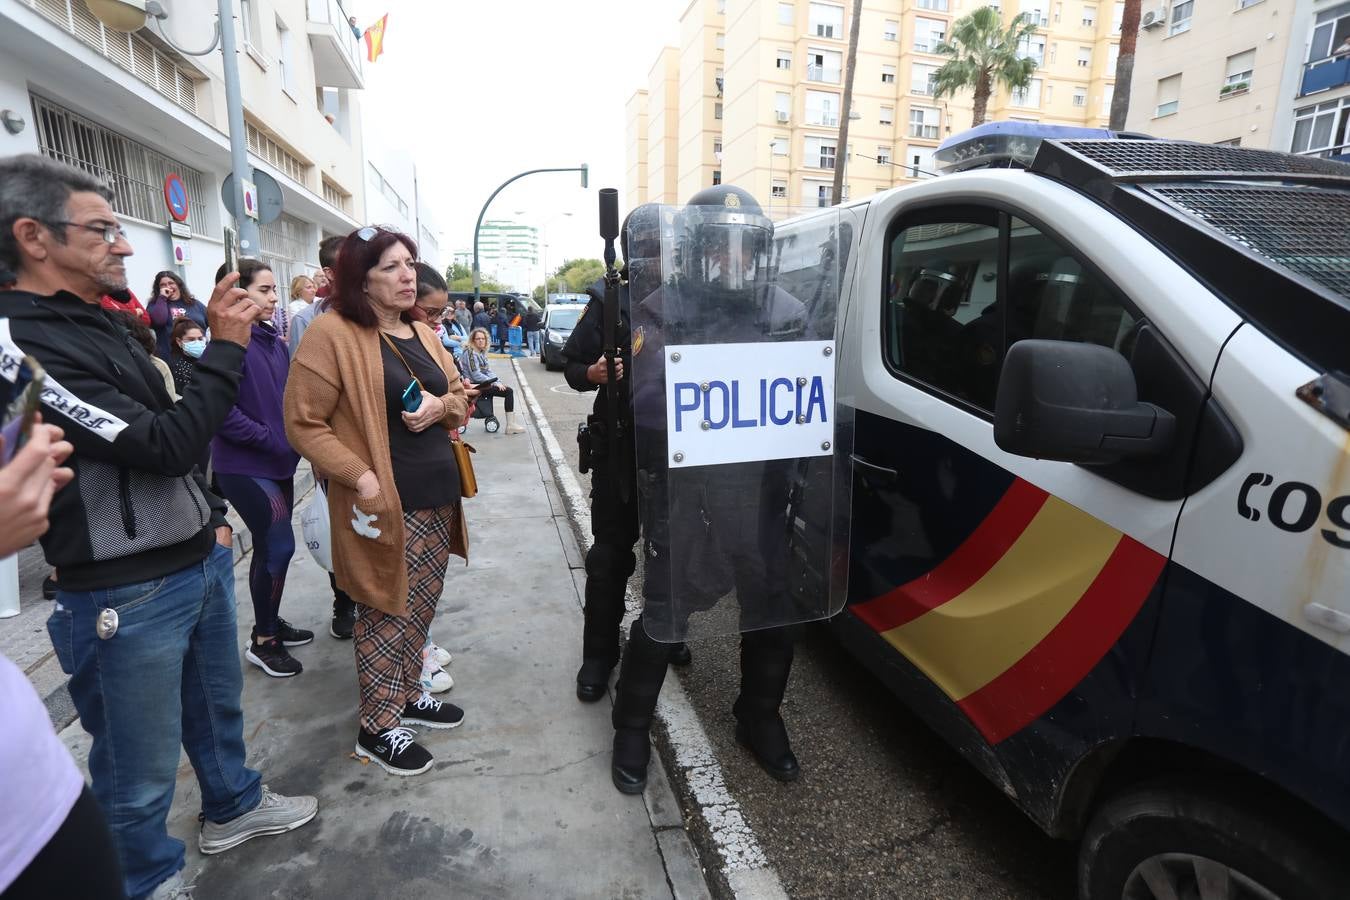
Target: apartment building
[
  {"x": 635, "y": 150},
  {"x": 1269, "y": 74},
  {"x": 394, "y": 197},
  {"x": 507, "y": 253},
  {"x": 772, "y": 78},
  {"x": 132, "y": 109}
]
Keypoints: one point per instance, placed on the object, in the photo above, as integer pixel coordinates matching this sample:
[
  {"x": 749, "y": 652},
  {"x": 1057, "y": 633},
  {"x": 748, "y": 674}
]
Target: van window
[{"x": 943, "y": 326}]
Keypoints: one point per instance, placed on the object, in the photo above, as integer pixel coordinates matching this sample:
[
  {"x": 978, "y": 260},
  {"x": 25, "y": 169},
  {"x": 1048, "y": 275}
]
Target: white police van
[{"x": 1100, "y": 495}]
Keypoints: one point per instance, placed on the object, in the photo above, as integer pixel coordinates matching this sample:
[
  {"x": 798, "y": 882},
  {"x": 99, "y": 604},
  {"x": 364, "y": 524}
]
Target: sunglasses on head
[{"x": 368, "y": 232}]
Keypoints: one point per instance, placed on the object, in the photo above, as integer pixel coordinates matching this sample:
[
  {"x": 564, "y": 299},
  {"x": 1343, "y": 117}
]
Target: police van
[{"x": 1099, "y": 482}]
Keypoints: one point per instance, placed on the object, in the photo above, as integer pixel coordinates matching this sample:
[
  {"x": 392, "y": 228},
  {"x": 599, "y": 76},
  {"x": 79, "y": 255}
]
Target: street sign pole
[{"x": 250, "y": 243}]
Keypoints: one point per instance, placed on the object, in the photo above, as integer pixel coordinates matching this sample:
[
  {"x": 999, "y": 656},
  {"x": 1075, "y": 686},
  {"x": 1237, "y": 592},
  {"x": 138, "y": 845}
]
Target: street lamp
[
  {"x": 477, "y": 280},
  {"x": 544, "y": 247},
  {"x": 131, "y": 15}
]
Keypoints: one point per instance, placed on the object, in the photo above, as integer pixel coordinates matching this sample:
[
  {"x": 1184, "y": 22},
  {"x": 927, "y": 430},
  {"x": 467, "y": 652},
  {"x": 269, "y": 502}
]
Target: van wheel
[{"x": 1175, "y": 841}]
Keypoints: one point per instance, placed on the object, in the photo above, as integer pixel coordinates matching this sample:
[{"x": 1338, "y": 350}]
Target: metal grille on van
[{"x": 1141, "y": 161}]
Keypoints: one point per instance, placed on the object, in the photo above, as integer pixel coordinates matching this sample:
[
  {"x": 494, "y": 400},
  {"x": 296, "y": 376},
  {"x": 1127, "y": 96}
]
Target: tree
[
  {"x": 838, "y": 189},
  {"x": 459, "y": 277},
  {"x": 1129, "y": 37},
  {"x": 571, "y": 277},
  {"x": 983, "y": 54}
]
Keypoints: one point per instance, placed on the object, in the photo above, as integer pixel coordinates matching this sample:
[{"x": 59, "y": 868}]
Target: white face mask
[{"x": 195, "y": 348}]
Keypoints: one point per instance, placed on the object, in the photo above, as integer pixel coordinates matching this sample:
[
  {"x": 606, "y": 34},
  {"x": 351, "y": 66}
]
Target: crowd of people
[{"x": 158, "y": 419}]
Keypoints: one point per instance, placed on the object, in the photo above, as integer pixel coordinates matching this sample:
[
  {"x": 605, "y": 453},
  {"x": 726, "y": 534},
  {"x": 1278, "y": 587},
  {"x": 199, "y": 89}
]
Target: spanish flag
[{"x": 375, "y": 38}]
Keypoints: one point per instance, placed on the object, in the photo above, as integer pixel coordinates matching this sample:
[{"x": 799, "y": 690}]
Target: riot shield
[{"x": 736, "y": 423}]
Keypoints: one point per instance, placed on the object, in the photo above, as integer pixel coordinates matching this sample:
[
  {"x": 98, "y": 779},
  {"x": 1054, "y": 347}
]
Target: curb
[{"x": 743, "y": 866}]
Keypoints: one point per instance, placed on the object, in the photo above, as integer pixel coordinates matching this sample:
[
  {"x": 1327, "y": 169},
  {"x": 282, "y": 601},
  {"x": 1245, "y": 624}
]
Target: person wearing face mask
[
  {"x": 255, "y": 469},
  {"x": 171, "y": 302},
  {"x": 371, "y": 400},
  {"x": 186, "y": 347}
]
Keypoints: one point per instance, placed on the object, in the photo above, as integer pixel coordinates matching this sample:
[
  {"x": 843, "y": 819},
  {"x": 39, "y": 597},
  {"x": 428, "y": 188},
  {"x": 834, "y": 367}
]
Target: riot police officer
[
  {"x": 614, "y": 508},
  {"x": 717, "y": 529}
]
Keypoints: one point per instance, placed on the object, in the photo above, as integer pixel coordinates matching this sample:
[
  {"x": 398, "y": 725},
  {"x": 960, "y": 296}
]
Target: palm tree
[
  {"x": 1129, "y": 37},
  {"x": 983, "y": 54}
]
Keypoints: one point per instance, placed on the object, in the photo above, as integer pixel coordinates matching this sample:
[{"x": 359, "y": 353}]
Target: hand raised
[{"x": 230, "y": 314}]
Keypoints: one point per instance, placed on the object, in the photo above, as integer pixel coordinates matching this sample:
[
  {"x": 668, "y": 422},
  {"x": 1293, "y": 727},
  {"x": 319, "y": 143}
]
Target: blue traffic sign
[{"x": 175, "y": 197}]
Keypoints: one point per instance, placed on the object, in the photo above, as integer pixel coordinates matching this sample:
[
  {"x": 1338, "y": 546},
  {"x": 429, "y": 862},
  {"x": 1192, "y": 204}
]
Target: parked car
[{"x": 559, "y": 320}]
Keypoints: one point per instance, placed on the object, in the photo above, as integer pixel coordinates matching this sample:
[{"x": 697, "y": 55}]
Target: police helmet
[
  {"x": 725, "y": 241},
  {"x": 640, "y": 235},
  {"x": 934, "y": 287}
]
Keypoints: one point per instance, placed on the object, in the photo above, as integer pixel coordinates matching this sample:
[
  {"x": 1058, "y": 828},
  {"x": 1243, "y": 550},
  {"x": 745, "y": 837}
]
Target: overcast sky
[{"x": 483, "y": 89}]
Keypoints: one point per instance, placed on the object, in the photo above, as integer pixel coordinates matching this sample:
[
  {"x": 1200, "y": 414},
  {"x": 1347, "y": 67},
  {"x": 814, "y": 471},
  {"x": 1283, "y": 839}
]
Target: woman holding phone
[
  {"x": 371, "y": 400},
  {"x": 255, "y": 469},
  {"x": 476, "y": 367}
]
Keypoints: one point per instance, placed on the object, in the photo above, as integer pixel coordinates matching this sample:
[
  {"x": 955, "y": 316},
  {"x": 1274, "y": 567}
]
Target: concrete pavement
[{"x": 519, "y": 801}]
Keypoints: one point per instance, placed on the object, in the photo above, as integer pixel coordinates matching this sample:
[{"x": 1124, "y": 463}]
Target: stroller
[{"x": 482, "y": 409}]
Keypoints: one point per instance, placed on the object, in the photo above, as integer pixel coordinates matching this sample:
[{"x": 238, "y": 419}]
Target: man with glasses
[{"x": 145, "y": 619}]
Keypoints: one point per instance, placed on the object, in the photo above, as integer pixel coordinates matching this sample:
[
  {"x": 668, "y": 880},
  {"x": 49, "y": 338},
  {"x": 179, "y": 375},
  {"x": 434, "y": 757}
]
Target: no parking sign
[{"x": 175, "y": 197}]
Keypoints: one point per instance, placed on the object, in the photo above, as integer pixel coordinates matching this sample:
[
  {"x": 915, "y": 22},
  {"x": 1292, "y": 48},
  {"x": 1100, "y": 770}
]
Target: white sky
[{"x": 484, "y": 89}]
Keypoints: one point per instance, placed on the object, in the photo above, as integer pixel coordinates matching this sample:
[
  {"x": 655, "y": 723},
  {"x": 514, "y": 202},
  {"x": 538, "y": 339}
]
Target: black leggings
[
  {"x": 79, "y": 860},
  {"x": 506, "y": 392},
  {"x": 265, "y": 505}
]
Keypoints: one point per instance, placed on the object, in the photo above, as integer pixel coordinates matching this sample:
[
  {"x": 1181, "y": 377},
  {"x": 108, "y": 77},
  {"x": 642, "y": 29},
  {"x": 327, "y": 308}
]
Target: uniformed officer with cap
[
  {"x": 614, "y": 505},
  {"x": 715, "y": 531}
]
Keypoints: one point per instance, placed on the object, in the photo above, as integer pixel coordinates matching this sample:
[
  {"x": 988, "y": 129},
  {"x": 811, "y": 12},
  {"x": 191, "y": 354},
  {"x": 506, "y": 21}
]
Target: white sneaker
[
  {"x": 442, "y": 655},
  {"x": 436, "y": 681}
]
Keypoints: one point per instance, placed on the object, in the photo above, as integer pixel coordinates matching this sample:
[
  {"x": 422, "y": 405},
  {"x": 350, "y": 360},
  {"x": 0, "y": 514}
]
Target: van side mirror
[{"x": 1076, "y": 403}]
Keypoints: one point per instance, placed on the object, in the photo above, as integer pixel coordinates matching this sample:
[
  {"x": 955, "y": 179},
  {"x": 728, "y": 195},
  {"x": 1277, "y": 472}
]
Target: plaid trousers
[{"x": 389, "y": 648}]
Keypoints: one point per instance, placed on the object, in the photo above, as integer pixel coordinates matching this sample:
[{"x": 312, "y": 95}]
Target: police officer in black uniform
[
  {"x": 614, "y": 507},
  {"x": 717, "y": 521}
]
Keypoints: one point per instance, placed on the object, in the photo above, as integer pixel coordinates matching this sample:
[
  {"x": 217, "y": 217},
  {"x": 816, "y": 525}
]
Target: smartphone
[
  {"x": 412, "y": 396},
  {"x": 21, "y": 412},
  {"x": 485, "y": 382}
]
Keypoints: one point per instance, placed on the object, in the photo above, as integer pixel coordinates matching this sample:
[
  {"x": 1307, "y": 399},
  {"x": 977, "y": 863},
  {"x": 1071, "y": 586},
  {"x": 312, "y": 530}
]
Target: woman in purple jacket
[{"x": 255, "y": 470}]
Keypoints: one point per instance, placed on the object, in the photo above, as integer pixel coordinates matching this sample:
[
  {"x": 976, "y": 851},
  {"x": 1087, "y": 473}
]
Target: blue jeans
[
  {"x": 170, "y": 676},
  {"x": 532, "y": 337}
]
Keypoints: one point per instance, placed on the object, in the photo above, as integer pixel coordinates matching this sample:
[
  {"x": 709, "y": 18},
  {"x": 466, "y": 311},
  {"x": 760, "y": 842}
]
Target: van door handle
[{"x": 870, "y": 471}]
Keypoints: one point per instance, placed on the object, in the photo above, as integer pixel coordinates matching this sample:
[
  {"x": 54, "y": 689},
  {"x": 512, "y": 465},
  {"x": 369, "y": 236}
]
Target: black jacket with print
[{"x": 138, "y": 508}]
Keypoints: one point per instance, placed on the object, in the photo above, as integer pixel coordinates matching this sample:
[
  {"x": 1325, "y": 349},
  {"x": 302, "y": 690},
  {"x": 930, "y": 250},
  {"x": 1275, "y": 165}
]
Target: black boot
[
  {"x": 607, "y": 571},
  {"x": 640, "y": 679},
  {"x": 766, "y": 661},
  {"x": 680, "y": 655}
]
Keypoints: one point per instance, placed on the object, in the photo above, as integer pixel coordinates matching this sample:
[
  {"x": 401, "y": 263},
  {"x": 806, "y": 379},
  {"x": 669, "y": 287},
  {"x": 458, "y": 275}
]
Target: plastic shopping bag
[{"x": 314, "y": 527}]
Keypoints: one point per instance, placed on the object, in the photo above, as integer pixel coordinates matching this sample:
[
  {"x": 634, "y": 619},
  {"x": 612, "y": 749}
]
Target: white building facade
[
  {"x": 394, "y": 198},
  {"x": 132, "y": 110}
]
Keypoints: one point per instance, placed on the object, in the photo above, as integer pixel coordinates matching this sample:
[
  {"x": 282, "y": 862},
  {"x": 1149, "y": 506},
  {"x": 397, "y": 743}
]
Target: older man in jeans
[{"x": 145, "y": 620}]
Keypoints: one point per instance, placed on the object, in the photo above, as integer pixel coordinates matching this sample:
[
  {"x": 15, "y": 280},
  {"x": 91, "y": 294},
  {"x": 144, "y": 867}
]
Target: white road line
[{"x": 744, "y": 864}]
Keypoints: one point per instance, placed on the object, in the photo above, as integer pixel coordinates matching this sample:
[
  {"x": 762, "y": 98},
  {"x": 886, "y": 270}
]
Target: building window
[
  {"x": 1231, "y": 142},
  {"x": 784, "y": 59},
  {"x": 890, "y": 31},
  {"x": 1112, "y": 60},
  {"x": 887, "y": 115},
  {"x": 1243, "y": 4},
  {"x": 720, "y": 41},
  {"x": 1181, "y": 17},
  {"x": 1033, "y": 11},
  {"x": 782, "y": 105},
  {"x": 721, "y": 7},
  {"x": 919, "y": 162},
  {"x": 264, "y": 146},
  {"x": 1238, "y": 73},
  {"x": 1169, "y": 96},
  {"x": 336, "y": 196},
  {"x": 717, "y": 177},
  {"x": 822, "y": 108},
  {"x": 824, "y": 65},
  {"x": 786, "y": 14},
  {"x": 883, "y": 156},
  {"x": 779, "y": 146},
  {"x": 934, "y": 5},
  {"x": 820, "y": 152},
  {"x": 824, "y": 193},
  {"x": 135, "y": 171},
  {"x": 1050, "y": 92},
  {"x": 921, "y": 78},
  {"x": 1108, "y": 92},
  {"x": 779, "y": 189},
  {"x": 1084, "y": 57},
  {"x": 1323, "y": 129},
  {"x": 1080, "y": 96},
  {"x": 717, "y": 149},
  {"x": 717, "y": 110},
  {"x": 1089, "y": 17},
  {"x": 1029, "y": 95},
  {"x": 1032, "y": 47},
  {"x": 928, "y": 33},
  {"x": 285, "y": 59},
  {"x": 888, "y": 74},
  {"x": 1059, "y": 12},
  {"x": 1331, "y": 31},
  {"x": 827, "y": 21},
  {"x": 923, "y": 122},
  {"x": 1054, "y": 51},
  {"x": 1117, "y": 16}
]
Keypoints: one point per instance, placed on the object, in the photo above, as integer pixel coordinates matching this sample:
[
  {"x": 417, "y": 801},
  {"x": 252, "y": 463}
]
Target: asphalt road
[{"x": 884, "y": 807}]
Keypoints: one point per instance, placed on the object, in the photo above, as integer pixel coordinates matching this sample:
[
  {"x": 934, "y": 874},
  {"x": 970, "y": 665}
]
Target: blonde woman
[
  {"x": 303, "y": 291},
  {"x": 475, "y": 362}
]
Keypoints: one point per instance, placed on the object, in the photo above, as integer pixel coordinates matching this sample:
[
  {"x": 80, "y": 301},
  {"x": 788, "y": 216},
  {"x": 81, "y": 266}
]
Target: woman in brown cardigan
[{"x": 393, "y": 489}]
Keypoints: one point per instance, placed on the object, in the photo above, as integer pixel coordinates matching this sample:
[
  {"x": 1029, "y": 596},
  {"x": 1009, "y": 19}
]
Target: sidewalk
[{"x": 519, "y": 802}]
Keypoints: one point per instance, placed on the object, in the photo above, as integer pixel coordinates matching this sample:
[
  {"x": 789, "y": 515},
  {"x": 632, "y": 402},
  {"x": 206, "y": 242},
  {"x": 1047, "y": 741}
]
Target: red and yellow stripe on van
[{"x": 1021, "y": 611}]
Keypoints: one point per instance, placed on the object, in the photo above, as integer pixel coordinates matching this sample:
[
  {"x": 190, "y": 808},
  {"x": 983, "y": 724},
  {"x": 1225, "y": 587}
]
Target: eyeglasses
[
  {"x": 112, "y": 232},
  {"x": 433, "y": 312}
]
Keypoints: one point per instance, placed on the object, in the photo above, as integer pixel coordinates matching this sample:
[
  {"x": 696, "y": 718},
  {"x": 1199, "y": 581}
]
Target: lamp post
[
  {"x": 125, "y": 16},
  {"x": 543, "y": 244},
  {"x": 477, "y": 280}
]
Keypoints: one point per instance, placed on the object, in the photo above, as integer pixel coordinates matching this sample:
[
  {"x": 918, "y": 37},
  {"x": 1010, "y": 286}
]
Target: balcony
[
  {"x": 336, "y": 48},
  {"x": 1325, "y": 74},
  {"x": 825, "y": 74}
]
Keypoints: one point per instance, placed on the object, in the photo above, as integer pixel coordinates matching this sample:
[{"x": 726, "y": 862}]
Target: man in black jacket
[
  {"x": 614, "y": 517},
  {"x": 145, "y": 619}
]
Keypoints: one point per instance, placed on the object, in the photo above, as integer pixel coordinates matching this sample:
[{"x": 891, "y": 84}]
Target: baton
[{"x": 609, "y": 230}]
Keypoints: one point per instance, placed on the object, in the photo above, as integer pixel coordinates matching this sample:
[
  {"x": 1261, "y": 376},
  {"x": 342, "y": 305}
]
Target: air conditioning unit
[
  {"x": 781, "y": 116},
  {"x": 1154, "y": 18}
]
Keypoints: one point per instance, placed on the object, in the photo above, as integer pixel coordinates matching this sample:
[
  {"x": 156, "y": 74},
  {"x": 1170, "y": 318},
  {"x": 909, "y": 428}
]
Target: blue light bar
[{"x": 1003, "y": 145}]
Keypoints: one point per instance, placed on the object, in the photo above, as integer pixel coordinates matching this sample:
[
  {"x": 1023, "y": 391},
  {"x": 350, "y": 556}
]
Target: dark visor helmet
[{"x": 724, "y": 241}]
